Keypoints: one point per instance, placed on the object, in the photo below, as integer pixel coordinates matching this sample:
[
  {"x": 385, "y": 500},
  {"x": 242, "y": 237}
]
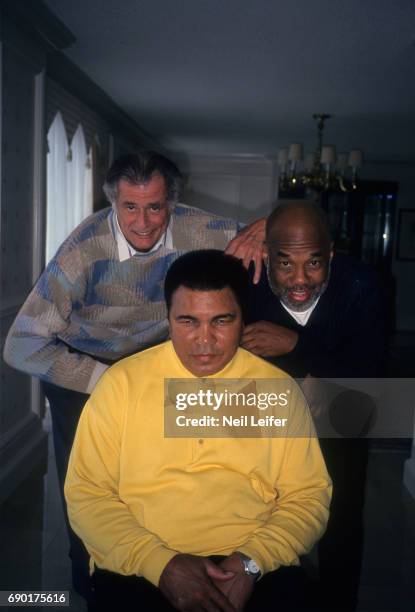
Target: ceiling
[{"x": 245, "y": 76}]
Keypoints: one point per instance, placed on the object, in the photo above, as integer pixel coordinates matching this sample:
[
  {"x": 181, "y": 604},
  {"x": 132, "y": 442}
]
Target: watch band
[{"x": 250, "y": 566}]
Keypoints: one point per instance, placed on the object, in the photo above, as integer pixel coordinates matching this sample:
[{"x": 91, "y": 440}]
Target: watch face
[{"x": 253, "y": 567}]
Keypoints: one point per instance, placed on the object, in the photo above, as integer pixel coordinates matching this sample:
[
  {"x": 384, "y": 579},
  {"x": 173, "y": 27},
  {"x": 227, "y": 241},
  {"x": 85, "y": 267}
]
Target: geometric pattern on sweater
[{"x": 87, "y": 306}]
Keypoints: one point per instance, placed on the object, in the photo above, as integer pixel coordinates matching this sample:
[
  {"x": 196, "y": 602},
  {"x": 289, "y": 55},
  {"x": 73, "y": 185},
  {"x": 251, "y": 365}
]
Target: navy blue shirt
[{"x": 345, "y": 336}]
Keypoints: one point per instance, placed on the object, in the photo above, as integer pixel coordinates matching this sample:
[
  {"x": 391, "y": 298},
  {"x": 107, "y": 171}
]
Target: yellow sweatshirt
[{"x": 137, "y": 498}]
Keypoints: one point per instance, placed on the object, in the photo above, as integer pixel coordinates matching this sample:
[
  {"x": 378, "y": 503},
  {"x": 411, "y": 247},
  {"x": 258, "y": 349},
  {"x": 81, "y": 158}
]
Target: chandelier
[{"x": 321, "y": 170}]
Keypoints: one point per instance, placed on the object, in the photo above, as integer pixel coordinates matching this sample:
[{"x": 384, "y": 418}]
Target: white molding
[
  {"x": 233, "y": 164},
  {"x": 37, "y": 401},
  {"x": 39, "y": 165}
]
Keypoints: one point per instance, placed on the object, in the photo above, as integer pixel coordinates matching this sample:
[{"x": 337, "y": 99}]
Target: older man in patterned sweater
[{"x": 101, "y": 296}]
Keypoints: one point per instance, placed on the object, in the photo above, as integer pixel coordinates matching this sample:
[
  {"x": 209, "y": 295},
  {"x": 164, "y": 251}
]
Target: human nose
[
  {"x": 299, "y": 275},
  {"x": 205, "y": 335},
  {"x": 141, "y": 220}
]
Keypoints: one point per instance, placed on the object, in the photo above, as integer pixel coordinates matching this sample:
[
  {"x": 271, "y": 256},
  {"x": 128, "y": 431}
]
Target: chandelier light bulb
[
  {"x": 295, "y": 152},
  {"x": 282, "y": 157},
  {"x": 322, "y": 169},
  {"x": 355, "y": 158},
  {"x": 328, "y": 155}
]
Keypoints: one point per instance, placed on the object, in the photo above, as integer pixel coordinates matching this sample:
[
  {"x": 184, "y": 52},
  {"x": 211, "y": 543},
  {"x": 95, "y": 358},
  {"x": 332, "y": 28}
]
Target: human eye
[
  {"x": 187, "y": 321},
  {"x": 284, "y": 264},
  {"x": 314, "y": 264},
  {"x": 155, "y": 208},
  {"x": 130, "y": 206},
  {"x": 225, "y": 320},
  {"x": 221, "y": 321}
]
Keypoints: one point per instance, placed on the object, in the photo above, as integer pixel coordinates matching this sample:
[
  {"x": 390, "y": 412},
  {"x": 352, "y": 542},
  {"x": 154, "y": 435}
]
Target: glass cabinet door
[{"x": 362, "y": 222}]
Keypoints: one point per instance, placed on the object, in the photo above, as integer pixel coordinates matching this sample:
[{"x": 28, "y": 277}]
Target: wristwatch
[{"x": 250, "y": 566}]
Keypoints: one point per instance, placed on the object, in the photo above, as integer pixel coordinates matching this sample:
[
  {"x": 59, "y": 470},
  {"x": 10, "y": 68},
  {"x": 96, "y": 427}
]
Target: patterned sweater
[{"x": 89, "y": 307}]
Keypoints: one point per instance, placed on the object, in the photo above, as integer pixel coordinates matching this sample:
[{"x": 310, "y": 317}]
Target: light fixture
[{"x": 321, "y": 170}]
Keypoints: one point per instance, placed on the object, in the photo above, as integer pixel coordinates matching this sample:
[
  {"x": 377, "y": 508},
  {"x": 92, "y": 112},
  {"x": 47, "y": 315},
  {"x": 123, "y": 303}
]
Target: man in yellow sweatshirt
[{"x": 174, "y": 519}]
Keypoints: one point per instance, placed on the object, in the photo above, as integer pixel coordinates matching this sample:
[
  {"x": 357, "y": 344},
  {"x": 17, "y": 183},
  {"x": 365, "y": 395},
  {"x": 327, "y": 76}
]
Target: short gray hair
[{"x": 139, "y": 168}]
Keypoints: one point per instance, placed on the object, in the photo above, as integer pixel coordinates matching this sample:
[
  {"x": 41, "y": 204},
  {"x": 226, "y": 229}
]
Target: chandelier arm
[{"x": 318, "y": 178}]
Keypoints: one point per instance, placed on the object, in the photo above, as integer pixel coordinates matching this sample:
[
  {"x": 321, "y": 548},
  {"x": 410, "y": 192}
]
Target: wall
[
  {"x": 239, "y": 186},
  {"x": 22, "y": 441},
  {"x": 31, "y": 39}
]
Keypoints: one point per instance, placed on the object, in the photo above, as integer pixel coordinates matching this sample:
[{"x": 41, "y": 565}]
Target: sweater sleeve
[
  {"x": 34, "y": 343},
  {"x": 112, "y": 535},
  {"x": 303, "y": 494}
]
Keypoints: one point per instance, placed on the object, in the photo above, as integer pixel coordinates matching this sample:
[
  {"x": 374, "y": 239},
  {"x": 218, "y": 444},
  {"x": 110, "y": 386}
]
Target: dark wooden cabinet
[{"x": 363, "y": 222}]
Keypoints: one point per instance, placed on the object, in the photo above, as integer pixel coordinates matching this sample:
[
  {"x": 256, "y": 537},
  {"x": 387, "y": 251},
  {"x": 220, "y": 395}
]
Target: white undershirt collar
[
  {"x": 126, "y": 251},
  {"x": 301, "y": 317}
]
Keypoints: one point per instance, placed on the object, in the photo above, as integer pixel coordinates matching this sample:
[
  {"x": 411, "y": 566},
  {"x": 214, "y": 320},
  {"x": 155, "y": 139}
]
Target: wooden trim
[
  {"x": 71, "y": 77},
  {"x": 38, "y": 21}
]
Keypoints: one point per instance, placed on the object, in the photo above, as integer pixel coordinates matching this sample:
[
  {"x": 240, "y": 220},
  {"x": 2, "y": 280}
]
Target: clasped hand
[{"x": 196, "y": 584}]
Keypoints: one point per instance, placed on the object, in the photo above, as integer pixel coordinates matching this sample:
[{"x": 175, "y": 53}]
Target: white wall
[{"x": 243, "y": 187}]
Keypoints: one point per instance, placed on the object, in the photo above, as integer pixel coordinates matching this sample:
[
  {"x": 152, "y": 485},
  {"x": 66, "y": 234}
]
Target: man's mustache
[
  {"x": 300, "y": 288},
  {"x": 205, "y": 350}
]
